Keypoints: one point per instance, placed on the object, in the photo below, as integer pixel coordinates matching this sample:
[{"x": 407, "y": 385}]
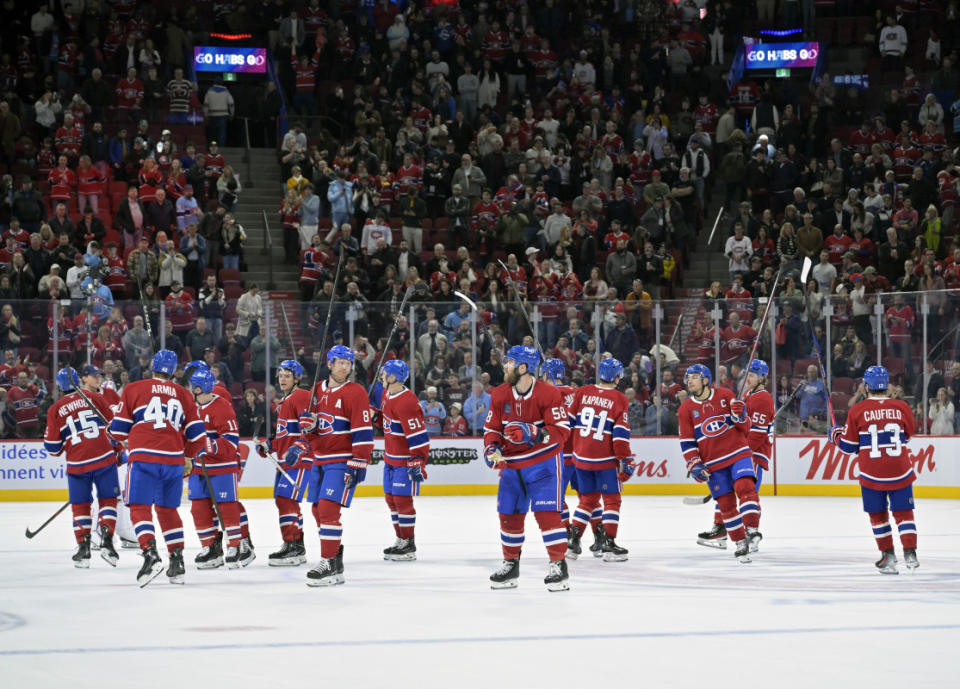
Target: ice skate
[
  {"x": 742, "y": 551},
  {"x": 339, "y": 561},
  {"x": 910, "y": 558},
  {"x": 887, "y": 564},
  {"x": 107, "y": 551},
  {"x": 599, "y": 536},
  {"x": 325, "y": 573},
  {"x": 210, "y": 557},
  {"x": 301, "y": 550},
  {"x": 389, "y": 551},
  {"x": 152, "y": 565},
  {"x": 612, "y": 552},
  {"x": 127, "y": 544},
  {"x": 573, "y": 542},
  {"x": 81, "y": 558},
  {"x": 754, "y": 537},
  {"x": 507, "y": 576},
  {"x": 247, "y": 556},
  {"x": 405, "y": 549},
  {"x": 714, "y": 538},
  {"x": 232, "y": 559},
  {"x": 176, "y": 569},
  {"x": 557, "y": 578},
  {"x": 287, "y": 556}
]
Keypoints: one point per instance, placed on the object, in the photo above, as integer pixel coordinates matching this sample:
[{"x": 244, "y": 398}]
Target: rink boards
[{"x": 802, "y": 465}]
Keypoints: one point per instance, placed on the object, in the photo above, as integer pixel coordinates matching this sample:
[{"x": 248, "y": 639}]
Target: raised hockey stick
[
  {"x": 789, "y": 400},
  {"x": 31, "y": 534},
  {"x": 523, "y": 310},
  {"x": 326, "y": 328},
  {"x": 763, "y": 320},
  {"x": 807, "y": 263},
  {"x": 143, "y": 308},
  {"x": 473, "y": 306},
  {"x": 393, "y": 331}
]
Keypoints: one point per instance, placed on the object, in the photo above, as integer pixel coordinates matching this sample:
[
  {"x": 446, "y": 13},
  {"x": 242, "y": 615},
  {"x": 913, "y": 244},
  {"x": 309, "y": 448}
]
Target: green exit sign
[{"x": 783, "y": 73}]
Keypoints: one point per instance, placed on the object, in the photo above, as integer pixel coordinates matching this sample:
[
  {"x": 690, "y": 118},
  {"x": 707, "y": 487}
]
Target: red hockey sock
[
  {"x": 907, "y": 528},
  {"x": 406, "y": 515},
  {"x": 81, "y": 520},
  {"x": 142, "y": 520},
  {"x": 611, "y": 513},
  {"x": 731, "y": 517},
  {"x": 327, "y": 513},
  {"x": 553, "y": 533},
  {"x": 108, "y": 513},
  {"x": 244, "y": 524},
  {"x": 289, "y": 518},
  {"x": 589, "y": 503},
  {"x": 746, "y": 490},
  {"x": 880, "y": 522},
  {"x": 392, "y": 506},
  {"x": 511, "y": 535},
  {"x": 717, "y": 519},
  {"x": 172, "y": 527},
  {"x": 231, "y": 515},
  {"x": 203, "y": 517}
]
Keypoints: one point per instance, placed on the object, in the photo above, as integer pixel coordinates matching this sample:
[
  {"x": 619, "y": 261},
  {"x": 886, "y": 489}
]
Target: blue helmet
[
  {"x": 339, "y": 352},
  {"x": 67, "y": 378},
  {"x": 203, "y": 380},
  {"x": 700, "y": 370},
  {"x": 876, "y": 378},
  {"x": 165, "y": 362},
  {"x": 524, "y": 355},
  {"x": 199, "y": 365},
  {"x": 553, "y": 369},
  {"x": 397, "y": 368},
  {"x": 293, "y": 366},
  {"x": 760, "y": 367},
  {"x": 609, "y": 369}
]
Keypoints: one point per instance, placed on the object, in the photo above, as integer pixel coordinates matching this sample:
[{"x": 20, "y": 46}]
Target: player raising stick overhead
[
  {"x": 877, "y": 430},
  {"x": 288, "y": 495},
  {"x": 760, "y": 439},
  {"x": 523, "y": 435},
  {"x": 601, "y": 453},
  {"x": 337, "y": 431},
  {"x": 160, "y": 420},
  {"x": 713, "y": 432},
  {"x": 91, "y": 461},
  {"x": 407, "y": 447},
  {"x": 222, "y": 465}
]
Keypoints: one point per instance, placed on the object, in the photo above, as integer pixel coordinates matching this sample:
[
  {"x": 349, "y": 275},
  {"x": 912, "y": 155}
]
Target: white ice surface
[{"x": 810, "y": 611}]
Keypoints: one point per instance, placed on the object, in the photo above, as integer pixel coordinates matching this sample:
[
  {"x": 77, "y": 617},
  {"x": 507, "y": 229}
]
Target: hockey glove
[
  {"x": 356, "y": 472},
  {"x": 308, "y": 422},
  {"x": 263, "y": 447},
  {"x": 293, "y": 453},
  {"x": 738, "y": 410},
  {"x": 523, "y": 433},
  {"x": 187, "y": 466},
  {"x": 417, "y": 469},
  {"x": 123, "y": 457},
  {"x": 493, "y": 454},
  {"x": 833, "y": 435},
  {"x": 699, "y": 472},
  {"x": 627, "y": 466}
]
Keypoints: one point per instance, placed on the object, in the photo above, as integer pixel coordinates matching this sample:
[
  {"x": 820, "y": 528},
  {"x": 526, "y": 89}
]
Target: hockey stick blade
[
  {"x": 31, "y": 534},
  {"x": 471, "y": 302},
  {"x": 805, "y": 271},
  {"x": 690, "y": 500}
]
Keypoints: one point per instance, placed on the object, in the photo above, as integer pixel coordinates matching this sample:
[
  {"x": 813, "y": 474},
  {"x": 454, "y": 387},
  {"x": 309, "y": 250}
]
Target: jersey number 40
[{"x": 162, "y": 414}]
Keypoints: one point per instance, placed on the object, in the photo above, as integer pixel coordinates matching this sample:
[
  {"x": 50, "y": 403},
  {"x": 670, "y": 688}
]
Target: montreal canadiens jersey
[
  {"x": 877, "y": 431},
  {"x": 760, "y": 438},
  {"x": 73, "y": 426},
  {"x": 709, "y": 435},
  {"x": 601, "y": 430},
  {"x": 404, "y": 432},
  {"x": 160, "y": 420},
  {"x": 542, "y": 406},
  {"x": 566, "y": 393},
  {"x": 343, "y": 428},
  {"x": 288, "y": 426},
  {"x": 220, "y": 421}
]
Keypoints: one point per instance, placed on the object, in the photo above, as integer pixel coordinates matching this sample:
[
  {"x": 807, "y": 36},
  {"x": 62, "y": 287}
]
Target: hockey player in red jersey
[
  {"x": 406, "y": 449},
  {"x": 552, "y": 372},
  {"x": 713, "y": 440},
  {"x": 601, "y": 453},
  {"x": 164, "y": 430},
  {"x": 877, "y": 431},
  {"x": 76, "y": 429},
  {"x": 287, "y": 495},
  {"x": 337, "y": 431},
  {"x": 760, "y": 439},
  {"x": 222, "y": 465},
  {"x": 523, "y": 436}
]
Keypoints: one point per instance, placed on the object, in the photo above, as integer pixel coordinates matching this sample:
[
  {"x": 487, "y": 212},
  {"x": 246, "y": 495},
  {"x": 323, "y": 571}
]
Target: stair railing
[{"x": 710, "y": 245}]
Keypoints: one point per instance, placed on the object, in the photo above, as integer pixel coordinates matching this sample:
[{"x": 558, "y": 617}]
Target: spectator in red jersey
[{"x": 23, "y": 401}]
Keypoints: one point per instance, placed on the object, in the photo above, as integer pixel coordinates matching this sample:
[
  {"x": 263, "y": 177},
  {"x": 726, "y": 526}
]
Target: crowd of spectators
[{"x": 581, "y": 144}]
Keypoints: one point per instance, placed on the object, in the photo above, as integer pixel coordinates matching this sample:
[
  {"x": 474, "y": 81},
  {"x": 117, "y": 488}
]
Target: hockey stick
[
  {"x": 146, "y": 314},
  {"x": 763, "y": 320},
  {"x": 789, "y": 400},
  {"x": 523, "y": 310},
  {"x": 473, "y": 306},
  {"x": 286, "y": 322},
  {"x": 807, "y": 263},
  {"x": 326, "y": 328},
  {"x": 393, "y": 331},
  {"x": 31, "y": 534},
  {"x": 689, "y": 500}
]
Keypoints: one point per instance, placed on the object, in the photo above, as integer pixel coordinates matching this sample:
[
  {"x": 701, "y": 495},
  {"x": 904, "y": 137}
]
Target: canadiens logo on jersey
[
  {"x": 713, "y": 426},
  {"x": 324, "y": 423},
  {"x": 281, "y": 429}
]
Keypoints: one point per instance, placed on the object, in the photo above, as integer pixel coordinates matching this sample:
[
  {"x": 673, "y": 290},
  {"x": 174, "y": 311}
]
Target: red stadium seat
[{"x": 232, "y": 291}]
